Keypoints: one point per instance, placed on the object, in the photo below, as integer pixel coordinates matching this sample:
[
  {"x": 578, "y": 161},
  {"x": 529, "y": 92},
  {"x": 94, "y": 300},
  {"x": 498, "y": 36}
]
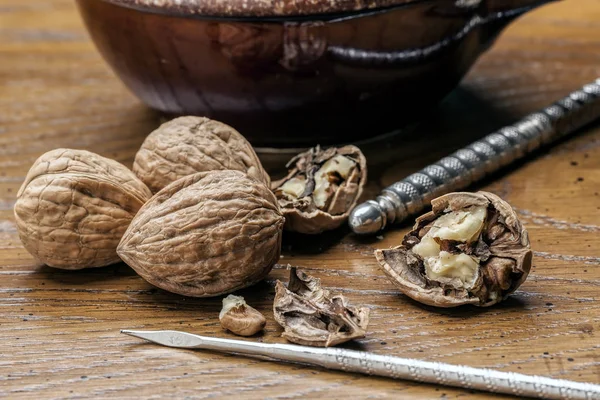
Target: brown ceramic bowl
[{"x": 296, "y": 72}]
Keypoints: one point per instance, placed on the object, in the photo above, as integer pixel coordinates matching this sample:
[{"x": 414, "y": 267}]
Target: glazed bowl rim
[{"x": 263, "y": 9}]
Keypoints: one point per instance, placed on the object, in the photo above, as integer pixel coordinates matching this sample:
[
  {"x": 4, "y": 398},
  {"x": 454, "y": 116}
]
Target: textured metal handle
[
  {"x": 460, "y": 376},
  {"x": 389, "y": 366},
  {"x": 469, "y": 164}
]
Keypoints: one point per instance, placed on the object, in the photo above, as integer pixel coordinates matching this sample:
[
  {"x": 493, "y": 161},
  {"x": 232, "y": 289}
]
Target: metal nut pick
[
  {"x": 389, "y": 366},
  {"x": 471, "y": 163}
]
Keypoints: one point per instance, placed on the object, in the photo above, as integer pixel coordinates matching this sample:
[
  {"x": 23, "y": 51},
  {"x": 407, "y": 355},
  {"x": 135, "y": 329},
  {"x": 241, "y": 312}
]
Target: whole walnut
[
  {"x": 469, "y": 249},
  {"x": 187, "y": 145},
  {"x": 321, "y": 188},
  {"x": 205, "y": 235},
  {"x": 74, "y": 207}
]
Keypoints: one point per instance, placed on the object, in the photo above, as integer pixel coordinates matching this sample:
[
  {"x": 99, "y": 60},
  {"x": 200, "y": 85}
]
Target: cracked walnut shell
[
  {"x": 187, "y": 145},
  {"x": 311, "y": 316},
  {"x": 205, "y": 235},
  {"x": 469, "y": 249},
  {"x": 75, "y": 206},
  {"x": 321, "y": 188}
]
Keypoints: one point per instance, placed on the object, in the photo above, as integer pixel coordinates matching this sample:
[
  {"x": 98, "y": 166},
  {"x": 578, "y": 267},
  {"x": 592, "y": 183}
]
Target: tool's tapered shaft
[
  {"x": 467, "y": 165},
  {"x": 388, "y": 366}
]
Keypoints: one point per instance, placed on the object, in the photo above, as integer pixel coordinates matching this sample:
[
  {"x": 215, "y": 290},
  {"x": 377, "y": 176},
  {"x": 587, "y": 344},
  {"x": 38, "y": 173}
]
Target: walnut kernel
[
  {"x": 240, "y": 318},
  {"x": 470, "y": 249},
  {"x": 321, "y": 188}
]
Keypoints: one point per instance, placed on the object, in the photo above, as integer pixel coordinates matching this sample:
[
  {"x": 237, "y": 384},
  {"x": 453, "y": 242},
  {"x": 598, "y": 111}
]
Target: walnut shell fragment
[
  {"x": 311, "y": 316},
  {"x": 321, "y": 188},
  {"x": 240, "y": 318},
  {"x": 186, "y": 145},
  {"x": 75, "y": 206},
  {"x": 205, "y": 235},
  {"x": 469, "y": 249}
]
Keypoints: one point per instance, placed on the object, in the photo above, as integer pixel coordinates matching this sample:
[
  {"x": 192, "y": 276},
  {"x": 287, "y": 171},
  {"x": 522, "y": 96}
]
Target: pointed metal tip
[
  {"x": 166, "y": 338},
  {"x": 138, "y": 334}
]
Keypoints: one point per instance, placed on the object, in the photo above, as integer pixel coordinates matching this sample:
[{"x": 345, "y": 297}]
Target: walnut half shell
[
  {"x": 469, "y": 249},
  {"x": 312, "y": 316},
  {"x": 321, "y": 188}
]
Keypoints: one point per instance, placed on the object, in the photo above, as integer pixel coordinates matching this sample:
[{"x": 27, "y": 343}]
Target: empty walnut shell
[
  {"x": 205, "y": 235},
  {"x": 312, "y": 316},
  {"x": 469, "y": 249},
  {"x": 321, "y": 188},
  {"x": 187, "y": 145},
  {"x": 75, "y": 206}
]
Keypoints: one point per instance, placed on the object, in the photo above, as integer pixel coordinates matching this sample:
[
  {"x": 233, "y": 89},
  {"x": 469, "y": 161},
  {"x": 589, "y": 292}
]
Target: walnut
[
  {"x": 321, "y": 188},
  {"x": 74, "y": 207},
  {"x": 469, "y": 249},
  {"x": 205, "y": 235},
  {"x": 239, "y": 318},
  {"x": 312, "y": 316},
  {"x": 187, "y": 145}
]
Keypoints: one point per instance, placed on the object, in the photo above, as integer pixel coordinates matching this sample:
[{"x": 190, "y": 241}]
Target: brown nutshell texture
[
  {"x": 74, "y": 207},
  {"x": 187, "y": 145},
  {"x": 302, "y": 214},
  {"x": 312, "y": 316},
  {"x": 502, "y": 246},
  {"x": 206, "y": 234}
]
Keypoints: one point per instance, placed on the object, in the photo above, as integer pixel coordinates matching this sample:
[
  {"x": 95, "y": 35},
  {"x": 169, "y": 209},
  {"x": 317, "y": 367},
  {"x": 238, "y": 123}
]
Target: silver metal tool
[
  {"x": 393, "y": 367},
  {"x": 469, "y": 164}
]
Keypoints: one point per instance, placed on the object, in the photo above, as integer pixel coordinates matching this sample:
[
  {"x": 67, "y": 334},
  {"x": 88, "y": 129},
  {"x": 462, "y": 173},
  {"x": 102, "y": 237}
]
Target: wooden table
[{"x": 60, "y": 329}]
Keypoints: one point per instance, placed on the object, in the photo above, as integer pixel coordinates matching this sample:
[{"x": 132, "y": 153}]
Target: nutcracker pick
[
  {"x": 483, "y": 157},
  {"x": 389, "y": 366}
]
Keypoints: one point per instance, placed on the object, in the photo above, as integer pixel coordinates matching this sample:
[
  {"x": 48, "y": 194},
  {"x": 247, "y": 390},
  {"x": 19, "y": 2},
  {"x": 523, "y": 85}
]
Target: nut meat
[
  {"x": 470, "y": 249},
  {"x": 312, "y": 316},
  {"x": 187, "y": 145},
  {"x": 321, "y": 188},
  {"x": 205, "y": 235},
  {"x": 74, "y": 207},
  {"x": 240, "y": 318}
]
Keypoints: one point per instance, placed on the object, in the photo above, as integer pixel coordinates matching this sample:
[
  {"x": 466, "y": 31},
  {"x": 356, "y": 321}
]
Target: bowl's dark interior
[{"x": 306, "y": 81}]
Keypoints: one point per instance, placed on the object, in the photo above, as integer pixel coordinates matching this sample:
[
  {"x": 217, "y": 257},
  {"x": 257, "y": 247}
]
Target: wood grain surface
[{"x": 59, "y": 330}]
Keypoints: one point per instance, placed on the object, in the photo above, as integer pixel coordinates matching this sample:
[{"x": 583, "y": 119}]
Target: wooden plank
[{"x": 59, "y": 329}]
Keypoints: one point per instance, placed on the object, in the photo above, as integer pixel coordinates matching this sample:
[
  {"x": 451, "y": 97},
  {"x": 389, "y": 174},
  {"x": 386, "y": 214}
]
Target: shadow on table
[
  {"x": 86, "y": 275},
  {"x": 120, "y": 279},
  {"x": 461, "y": 119},
  {"x": 298, "y": 243},
  {"x": 469, "y": 311}
]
